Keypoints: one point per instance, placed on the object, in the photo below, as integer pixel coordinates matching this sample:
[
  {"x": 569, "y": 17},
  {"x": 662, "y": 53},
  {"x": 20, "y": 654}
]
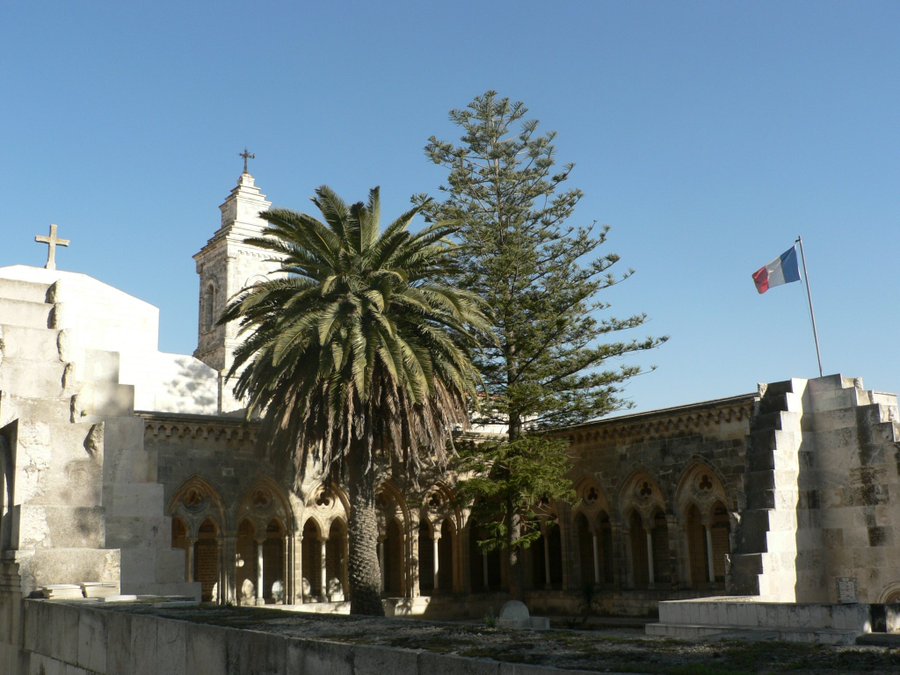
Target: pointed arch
[
  {"x": 194, "y": 502},
  {"x": 701, "y": 484},
  {"x": 700, "y": 502},
  {"x": 641, "y": 492},
  {"x": 644, "y": 512},
  {"x": 263, "y": 501},
  {"x": 592, "y": 528},
  {"x": 266, "y": 524}
]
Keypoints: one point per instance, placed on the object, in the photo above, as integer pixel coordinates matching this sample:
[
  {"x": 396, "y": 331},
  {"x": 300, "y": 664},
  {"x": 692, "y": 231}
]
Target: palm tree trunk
[{"x": 362, "y": 532}]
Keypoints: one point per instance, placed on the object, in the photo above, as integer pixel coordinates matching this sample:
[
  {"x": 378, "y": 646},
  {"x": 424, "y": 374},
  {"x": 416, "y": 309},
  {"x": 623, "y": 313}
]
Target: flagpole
[{"x": 812, "y": 314}]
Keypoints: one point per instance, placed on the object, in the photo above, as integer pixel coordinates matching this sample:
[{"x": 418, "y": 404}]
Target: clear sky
[{"x": 707, "y": 134}]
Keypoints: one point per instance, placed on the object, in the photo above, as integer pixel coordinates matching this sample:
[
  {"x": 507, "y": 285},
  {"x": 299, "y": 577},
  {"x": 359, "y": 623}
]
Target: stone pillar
[
  {"x": 298, "y": 569},
  {"x": 651, "y": 579},
  {"x": 287, "y": 581},
  {"x": 596, "y": 546},
  {"x": 189, "y": 560},
  {"x": 219, "y": 597},
  {"x": 410, "y": 584},
  {"x": 323, "y": 576},
  {"x": 260, "y": 597},
  {"x": 228, "y": 592},
  {"x": 437, "y": 562},
  {"x": 709, "y": 555}
]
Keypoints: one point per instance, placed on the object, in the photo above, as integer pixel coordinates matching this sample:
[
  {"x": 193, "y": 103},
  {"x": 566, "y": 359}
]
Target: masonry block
[
  {"x": 92, "y": 641},
  {"x": 205, "y": 649}
]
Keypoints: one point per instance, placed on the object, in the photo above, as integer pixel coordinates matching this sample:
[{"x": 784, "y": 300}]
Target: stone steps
[
  {"x": 29, "y": 344},
  {"x": 25, "y": 313},
  {"x": 98, "y": 400},
  {"x": 31, "y": 291},
  {"x": 13, "y": 406},
  {"x": 32, "y": 379}
]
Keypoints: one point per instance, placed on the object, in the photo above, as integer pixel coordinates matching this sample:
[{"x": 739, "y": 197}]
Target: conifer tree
[{"x": 548, "y": 364}]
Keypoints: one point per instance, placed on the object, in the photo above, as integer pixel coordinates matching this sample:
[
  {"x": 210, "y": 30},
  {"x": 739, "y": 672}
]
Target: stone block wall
[{"x": 80, "y": 639}]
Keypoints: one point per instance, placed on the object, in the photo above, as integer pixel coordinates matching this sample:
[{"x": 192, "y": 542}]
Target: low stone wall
[
  {"x": 82, "y": 638},
  {"x": 791, "y": 622}
]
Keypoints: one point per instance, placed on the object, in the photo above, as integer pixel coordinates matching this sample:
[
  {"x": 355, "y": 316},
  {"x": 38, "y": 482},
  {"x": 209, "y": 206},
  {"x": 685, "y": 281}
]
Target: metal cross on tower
[
  {"x": 246, "y": 155},
  {"x": 52, "y": 242}
]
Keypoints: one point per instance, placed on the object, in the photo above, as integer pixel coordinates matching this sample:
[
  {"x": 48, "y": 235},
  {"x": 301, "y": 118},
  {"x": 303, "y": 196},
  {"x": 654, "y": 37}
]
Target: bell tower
[{"x": 226, "y": 265}]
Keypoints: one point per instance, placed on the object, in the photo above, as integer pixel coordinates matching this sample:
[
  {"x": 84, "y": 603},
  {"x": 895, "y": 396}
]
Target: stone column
[
  {"x": 323, "y": 576},
  {"x": 651, "y": 579},
  {"x": 596, "y": 546},
  {"x": 189, "y": 560},
  {"x": 298, "y": 569},
  {"x": 410, "y": 586},
  {"x": 260, "y": 598},
  {"x": 227, "y": 590},
  {"x": 709, "y": 554},
  {"x": 381, "y": 562},
  {"x": 437, "y": 562},
  {"x": 219, "y": 597},
  {"x": 287, "y": 582}
]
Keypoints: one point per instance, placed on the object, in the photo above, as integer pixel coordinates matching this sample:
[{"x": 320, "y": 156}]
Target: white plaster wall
[
  {"x": 101, "y": 316},
  {"x": 170, "y": 382}
]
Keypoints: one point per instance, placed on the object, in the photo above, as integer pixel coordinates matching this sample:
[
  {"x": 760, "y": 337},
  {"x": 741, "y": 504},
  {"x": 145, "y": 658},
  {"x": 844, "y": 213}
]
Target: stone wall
[{"x": 67, "y": 639}]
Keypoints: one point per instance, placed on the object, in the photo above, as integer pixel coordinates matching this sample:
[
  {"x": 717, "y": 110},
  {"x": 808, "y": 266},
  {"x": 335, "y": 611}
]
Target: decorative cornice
[
  {"x": 666, "y": 423},
  {"x": 205, "y": 427}
]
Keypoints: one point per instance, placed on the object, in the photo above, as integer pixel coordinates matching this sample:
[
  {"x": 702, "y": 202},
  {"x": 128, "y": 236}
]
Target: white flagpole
[{"x": 812, "y": 314}]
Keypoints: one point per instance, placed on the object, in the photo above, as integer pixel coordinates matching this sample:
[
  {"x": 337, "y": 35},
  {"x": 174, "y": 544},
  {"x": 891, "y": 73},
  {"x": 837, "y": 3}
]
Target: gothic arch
[
  {"x": 394, "y": 523},
  {"x": 546, "y": 552},
  {"x": 890, "y": 594},
  {"x": 592, "y": 532},
  {"x": 208, "y": 308},
  {"x": 702, "y": 485},
  {"x": 327, "y": 503},
  {"x": 643, "y": 509},
  {"x": 391, "y": 503},
  {"x": 592, "y": 498},
  {"x": 641, "y": 493},
  {"x": 195, "y": 502},
  {"x": 701, "y": 504},
  {"x": 439, "y": 505},
  {"x": 264, "y": 501}
]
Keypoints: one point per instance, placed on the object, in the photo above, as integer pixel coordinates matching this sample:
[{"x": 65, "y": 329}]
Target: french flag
[{"x": 782, "y": 270}]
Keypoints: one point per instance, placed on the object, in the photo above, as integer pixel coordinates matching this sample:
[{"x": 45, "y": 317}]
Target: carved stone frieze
[
  {"x": 664, "y": 423},
  {"x": 191, "y": 427}
]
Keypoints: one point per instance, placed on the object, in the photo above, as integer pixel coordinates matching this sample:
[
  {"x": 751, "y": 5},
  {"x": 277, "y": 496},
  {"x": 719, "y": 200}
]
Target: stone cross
[
  {"x": 246, "y": 155},
  {"x": 52, "y": 242}
]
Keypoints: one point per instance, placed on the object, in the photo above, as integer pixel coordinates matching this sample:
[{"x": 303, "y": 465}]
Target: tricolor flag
[{"x": 782, "y": 270}]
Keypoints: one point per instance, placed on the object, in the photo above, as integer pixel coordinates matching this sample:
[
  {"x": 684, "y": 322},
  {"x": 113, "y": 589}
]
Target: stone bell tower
[{"x": 226, "y": 266}]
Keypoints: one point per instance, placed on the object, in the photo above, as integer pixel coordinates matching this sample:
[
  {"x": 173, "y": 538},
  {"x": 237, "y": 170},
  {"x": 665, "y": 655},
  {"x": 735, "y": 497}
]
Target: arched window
[
  {"x": 312, "y": 561},
  {"x": 206, "y": 559},
  {"x": 336, "y": 562},
  {"x": 426, "y": 557},
  {"x": 209, "y": 307},
  {"x": 445, "y": 556}
]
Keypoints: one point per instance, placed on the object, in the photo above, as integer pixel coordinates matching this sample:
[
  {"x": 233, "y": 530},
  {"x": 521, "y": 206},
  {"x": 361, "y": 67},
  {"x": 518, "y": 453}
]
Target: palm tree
[{"x": 357, "y": 353}]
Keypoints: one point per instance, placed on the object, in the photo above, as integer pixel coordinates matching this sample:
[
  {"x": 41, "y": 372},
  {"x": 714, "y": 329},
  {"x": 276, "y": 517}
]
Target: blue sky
[{"x": 707, "y": 134}]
